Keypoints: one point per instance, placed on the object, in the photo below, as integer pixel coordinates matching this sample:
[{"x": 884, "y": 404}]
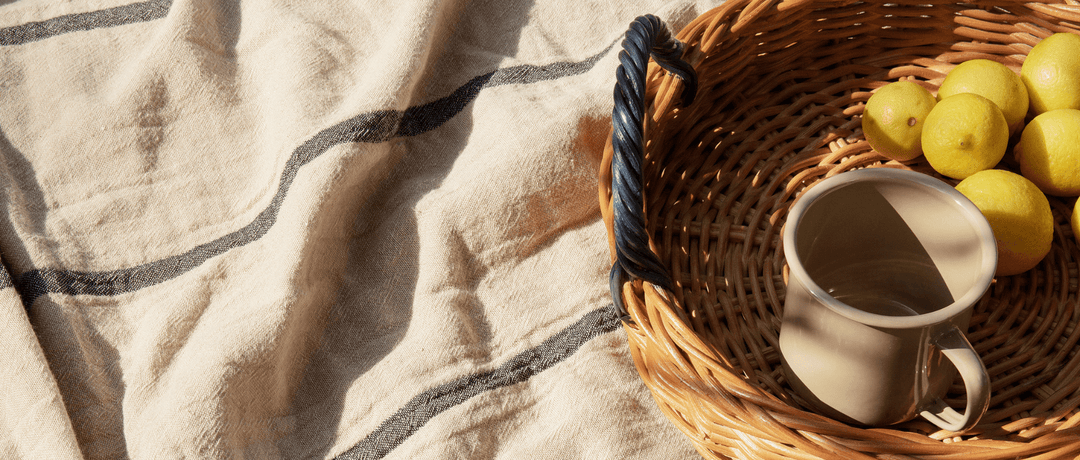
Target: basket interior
[{"x": 779, "y": 108}]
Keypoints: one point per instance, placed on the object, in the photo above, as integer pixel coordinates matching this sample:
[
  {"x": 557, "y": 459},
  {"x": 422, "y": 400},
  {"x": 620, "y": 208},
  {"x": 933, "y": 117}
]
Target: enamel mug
[{"x": 885, "y": 268}]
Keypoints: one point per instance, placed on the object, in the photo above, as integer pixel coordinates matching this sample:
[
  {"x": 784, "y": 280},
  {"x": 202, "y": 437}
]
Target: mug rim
[{"x": 981, "y": 226}]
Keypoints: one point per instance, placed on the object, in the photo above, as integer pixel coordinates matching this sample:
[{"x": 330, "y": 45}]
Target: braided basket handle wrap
[{"x": 647, "y": 36}]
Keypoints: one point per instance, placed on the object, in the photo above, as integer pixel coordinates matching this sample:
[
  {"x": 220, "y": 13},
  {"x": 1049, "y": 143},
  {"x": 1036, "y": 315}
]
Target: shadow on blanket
[{"x": 376, "y": 305}]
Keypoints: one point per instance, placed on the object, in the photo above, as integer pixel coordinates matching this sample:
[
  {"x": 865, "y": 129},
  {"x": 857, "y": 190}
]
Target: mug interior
[{"x": 880, "y": 244}]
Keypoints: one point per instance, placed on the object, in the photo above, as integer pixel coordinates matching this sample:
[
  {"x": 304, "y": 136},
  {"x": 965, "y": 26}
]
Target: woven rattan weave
[{"x": 781, "y": 87}]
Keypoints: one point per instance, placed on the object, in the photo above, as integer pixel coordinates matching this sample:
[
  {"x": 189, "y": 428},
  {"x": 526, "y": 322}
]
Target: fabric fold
[{"x": 272, "y": 229}]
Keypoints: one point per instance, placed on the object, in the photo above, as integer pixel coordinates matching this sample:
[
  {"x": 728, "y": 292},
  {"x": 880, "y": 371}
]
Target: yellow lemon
[
  {"x": 993, "y": 81},
  {"x": 1049, "y": 152},
  {"x": 1019, "y": 214},
  {"x": 1051, "y": 73},
  {"x": 893, "y": 119},
  {"x": 964, "y": 134}
]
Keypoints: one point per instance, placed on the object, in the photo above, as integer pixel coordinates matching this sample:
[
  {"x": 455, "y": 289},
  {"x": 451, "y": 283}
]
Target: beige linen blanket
[{"x": 313, "y": 229}]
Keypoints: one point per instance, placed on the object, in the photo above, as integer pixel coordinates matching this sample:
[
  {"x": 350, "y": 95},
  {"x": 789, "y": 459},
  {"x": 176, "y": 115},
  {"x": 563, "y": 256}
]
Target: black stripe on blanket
[
  {"x": 372, "y": 127},
  {"x": 5, "y": 278},
  {"x": 425, "y": 406},
  {"x": 110, "y": 17}
]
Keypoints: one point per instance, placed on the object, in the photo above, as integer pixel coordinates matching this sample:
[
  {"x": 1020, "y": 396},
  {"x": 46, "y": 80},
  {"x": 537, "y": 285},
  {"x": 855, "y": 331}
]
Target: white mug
[{"x": 885, "y": 267}]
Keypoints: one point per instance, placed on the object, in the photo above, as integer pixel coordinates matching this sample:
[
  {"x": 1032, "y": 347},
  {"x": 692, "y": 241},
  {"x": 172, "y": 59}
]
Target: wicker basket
[{"x": 700, "y": 193}]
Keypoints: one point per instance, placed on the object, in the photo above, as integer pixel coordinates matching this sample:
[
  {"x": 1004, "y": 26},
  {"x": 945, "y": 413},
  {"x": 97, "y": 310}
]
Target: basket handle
[{"x": 648, "y": 35}]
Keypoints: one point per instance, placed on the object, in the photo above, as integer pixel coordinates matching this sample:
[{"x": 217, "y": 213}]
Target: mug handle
[{"x": 956, "y": 347}]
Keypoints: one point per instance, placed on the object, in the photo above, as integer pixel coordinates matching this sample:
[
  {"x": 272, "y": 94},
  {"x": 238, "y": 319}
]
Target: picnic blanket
[{"x": 304, "y": 229}]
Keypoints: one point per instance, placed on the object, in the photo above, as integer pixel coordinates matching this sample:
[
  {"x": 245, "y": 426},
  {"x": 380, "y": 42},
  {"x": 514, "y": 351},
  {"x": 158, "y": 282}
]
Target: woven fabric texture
[{"x": 283, "y": 229}]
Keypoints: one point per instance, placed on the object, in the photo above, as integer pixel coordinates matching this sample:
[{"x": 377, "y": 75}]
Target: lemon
[
  {"x": 1019, "y": 214},
  {"x": 1049, "y": 152},
  {"x": 964, "y": 134},
  {"x": 993, "y": 81},
  {"x": 1051, "y": 73},
  {"x": 893, "y": 119}
]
